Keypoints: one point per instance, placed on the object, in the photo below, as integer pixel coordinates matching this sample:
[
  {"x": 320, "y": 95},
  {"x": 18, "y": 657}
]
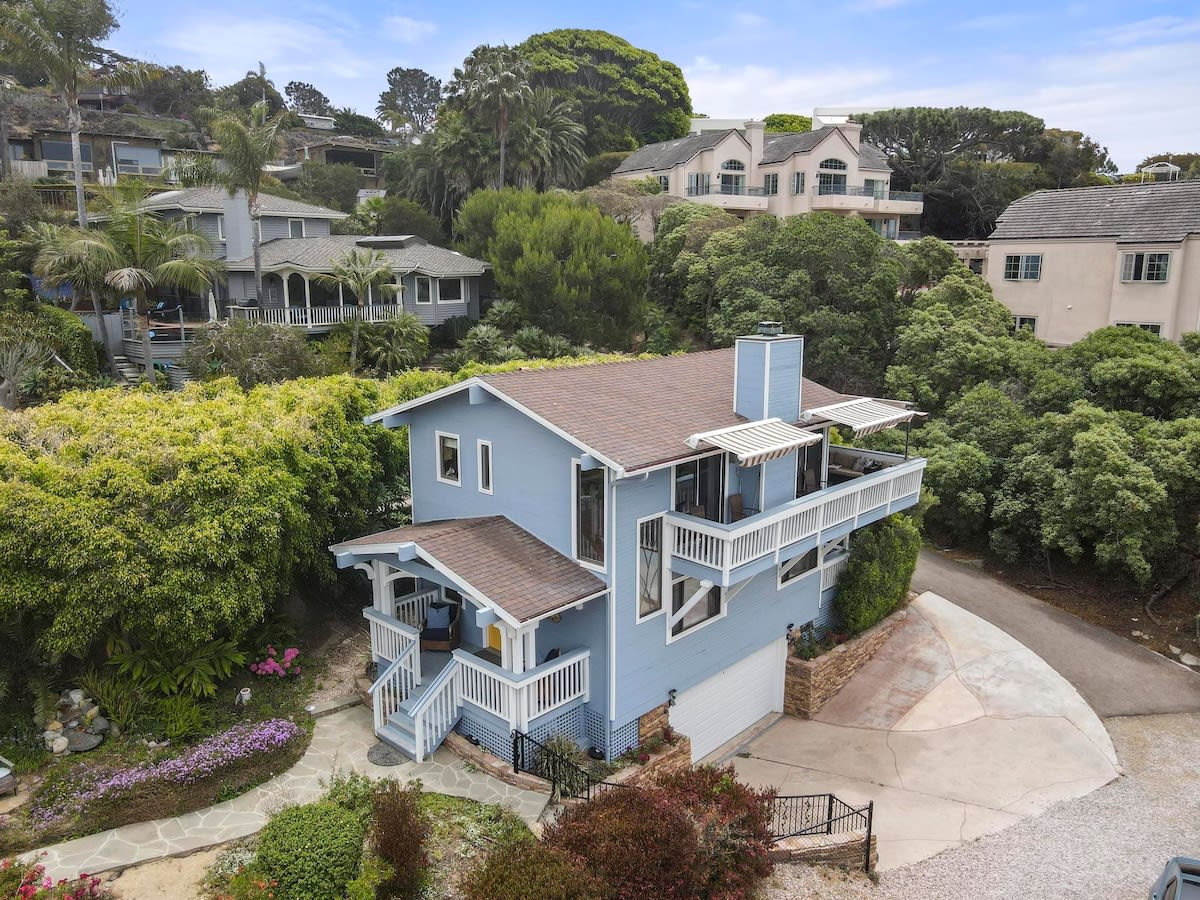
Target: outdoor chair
[
  {"x": 8, "y": 781},
  {"x": 440, "y": 630},
  {"x": 738, "y": 509}
]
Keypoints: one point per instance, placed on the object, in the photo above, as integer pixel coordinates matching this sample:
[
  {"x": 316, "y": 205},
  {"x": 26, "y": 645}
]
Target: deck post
[
  {"x": 307, "y": 299},
  {"x": 285, "y": 277}
]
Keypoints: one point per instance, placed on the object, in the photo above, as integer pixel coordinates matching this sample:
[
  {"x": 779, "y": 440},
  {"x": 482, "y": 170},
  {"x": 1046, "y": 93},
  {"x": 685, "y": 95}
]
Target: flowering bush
[
  {"x": 221, "y": 752},
  {"x": 279, "y": 666},
  {"x": 26, "y": 881}
]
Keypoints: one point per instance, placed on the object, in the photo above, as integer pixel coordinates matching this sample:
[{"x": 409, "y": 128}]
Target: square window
[
  {"x": 296, "y": 228},
  {"x": 664, "y": 183},
  {"x": 447, "y": 458},
  {"x": 450, "y": 290},
  {"x": 1029, "y": 322}
]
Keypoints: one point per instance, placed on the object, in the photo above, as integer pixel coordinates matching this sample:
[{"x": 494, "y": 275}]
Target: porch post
[
  {"x": 307, "y": 294},
  {"x": 518, "y": 652},
  {"x": 379, "y": 587},
  {"x": 285, "y": 277},
  {"x": 341, "y": 299}
]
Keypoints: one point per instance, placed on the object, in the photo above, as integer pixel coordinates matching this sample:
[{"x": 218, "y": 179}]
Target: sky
[{"x": 1127, "y": 74}]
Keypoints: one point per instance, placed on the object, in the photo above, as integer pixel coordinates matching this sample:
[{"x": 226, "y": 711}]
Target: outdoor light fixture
[
  {"x": 671, "y": 694},
  {"x": 557, "y": 617},
  {"x": 243, "y": 697}
]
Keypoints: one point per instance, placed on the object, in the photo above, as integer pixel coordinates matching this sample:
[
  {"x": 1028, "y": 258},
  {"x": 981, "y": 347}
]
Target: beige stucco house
[
  {"x": 1067, "y": 262},
  {"x": 749, "y": 172}
]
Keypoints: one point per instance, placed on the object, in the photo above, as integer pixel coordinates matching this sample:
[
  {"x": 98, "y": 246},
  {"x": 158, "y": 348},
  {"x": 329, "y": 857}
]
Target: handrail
[
  {"x": 445, "y": 712},
  {"x": 805, "y": 815},
  {"x": 391, "y": 669},
  {"x": 422, "y": 702}
]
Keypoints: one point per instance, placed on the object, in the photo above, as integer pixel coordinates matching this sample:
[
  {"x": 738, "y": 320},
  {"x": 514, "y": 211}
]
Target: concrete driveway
[{"x": 954, "y": 729}]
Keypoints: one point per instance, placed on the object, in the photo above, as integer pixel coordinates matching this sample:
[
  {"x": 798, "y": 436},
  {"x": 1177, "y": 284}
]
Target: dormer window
[{"x": 733, "y": 165}]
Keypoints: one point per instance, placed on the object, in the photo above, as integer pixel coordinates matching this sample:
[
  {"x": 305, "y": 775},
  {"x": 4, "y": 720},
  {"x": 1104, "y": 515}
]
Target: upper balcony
[
  {"x": 729, "y": 196},
  {"x": 864, "y": 199},
  {"x": 865, "y": 486}
]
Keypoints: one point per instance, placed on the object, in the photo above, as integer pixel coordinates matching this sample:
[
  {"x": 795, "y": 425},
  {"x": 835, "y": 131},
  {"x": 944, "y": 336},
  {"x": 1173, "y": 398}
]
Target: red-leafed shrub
[
  {"x": 637, "y": 841},
  {"x": 733, "y": 828},
  {"x": 524, "y": 870},
  {"x": 399, "y": 836}
]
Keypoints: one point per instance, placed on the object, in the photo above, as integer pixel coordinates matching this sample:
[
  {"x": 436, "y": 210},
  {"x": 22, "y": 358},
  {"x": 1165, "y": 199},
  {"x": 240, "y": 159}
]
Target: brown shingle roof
[
  {"x": 499, "y": 559},
  {"x": 639, "y": 413}
]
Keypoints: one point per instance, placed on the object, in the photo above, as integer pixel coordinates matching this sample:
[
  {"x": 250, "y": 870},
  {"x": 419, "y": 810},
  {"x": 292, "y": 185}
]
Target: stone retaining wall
[
  {"x": 811, "y": 683},
  {"x": 668, "y": 761},
  {"x": 652, "y": 723},
  {"x": 847, "y": 854},
  {"x": 493, "y": 765}
]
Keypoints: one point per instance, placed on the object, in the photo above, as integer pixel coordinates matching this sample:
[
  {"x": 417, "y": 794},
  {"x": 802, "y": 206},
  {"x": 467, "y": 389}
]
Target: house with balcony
[
  {"x": 594, "y": 546},
  {"x": 46, "y": 153},
  {"x": 1067, "y": 262},
  {"x": 749, "y": 172},
  {"x": 296, "y": 245}
]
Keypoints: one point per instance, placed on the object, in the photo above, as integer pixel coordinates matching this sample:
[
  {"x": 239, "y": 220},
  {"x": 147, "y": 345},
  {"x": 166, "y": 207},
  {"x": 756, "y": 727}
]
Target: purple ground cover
[{"x": 209, "y": 757}]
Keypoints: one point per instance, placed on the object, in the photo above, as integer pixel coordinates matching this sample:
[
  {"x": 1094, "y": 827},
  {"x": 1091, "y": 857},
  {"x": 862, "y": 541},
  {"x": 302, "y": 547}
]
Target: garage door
[{"x": 723, "y": 706}]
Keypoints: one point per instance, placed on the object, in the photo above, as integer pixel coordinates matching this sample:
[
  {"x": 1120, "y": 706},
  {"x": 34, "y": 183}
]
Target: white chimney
[
  {"x": 754, "y": 134},
  {"x": 852, "y": 132},
  {"x": 236, "y": 210}
]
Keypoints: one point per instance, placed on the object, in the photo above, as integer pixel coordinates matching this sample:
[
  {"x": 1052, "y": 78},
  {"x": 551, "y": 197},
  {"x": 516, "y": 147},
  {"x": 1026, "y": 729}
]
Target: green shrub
[
  {"x": 181, "y": 718},
  {"x": 311, "y": 851},
  {"x": 371, "y": 879},
  {"x": 119, "y": 698},
  {"x": 882, "y": 559},
  {"x": 450, "y": 331},
  {"x": 399, "y": 834},
  {"x": 354, "y": 792},
  {"x": 523, "y": 870}
]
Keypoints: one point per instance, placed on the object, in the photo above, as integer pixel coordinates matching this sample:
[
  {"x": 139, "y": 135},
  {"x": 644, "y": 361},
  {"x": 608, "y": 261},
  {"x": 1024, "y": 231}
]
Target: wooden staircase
[{"x": 127, "y": 373}]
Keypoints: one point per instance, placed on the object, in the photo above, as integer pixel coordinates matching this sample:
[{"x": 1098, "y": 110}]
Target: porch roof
[
  {"x": 755, "y": 442},
  {"x": 864, "y": 415},
  {"x": 496, "y": 561}
]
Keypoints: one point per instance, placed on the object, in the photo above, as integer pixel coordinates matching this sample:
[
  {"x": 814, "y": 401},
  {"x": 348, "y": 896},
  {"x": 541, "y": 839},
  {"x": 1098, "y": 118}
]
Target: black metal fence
[
  {"x": 812, "y": 815},
  {"x": 568, "y": 779}
]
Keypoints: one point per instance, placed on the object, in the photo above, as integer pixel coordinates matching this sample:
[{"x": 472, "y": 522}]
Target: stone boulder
[
  {"x": 81, "y": 741},
  {"x": 59, "y": 745}
]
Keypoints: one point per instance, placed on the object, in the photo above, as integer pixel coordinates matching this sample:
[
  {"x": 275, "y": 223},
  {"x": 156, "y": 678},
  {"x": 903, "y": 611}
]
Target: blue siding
[
  {"x": 587, "y": 627},
  {"x": 647, "y": 667},
  {"x": 755, "y": 395},
  {"x": 779, "y": 481},
  {"x": 787, "y": 366},
  {"x": 751, "y": 373}
]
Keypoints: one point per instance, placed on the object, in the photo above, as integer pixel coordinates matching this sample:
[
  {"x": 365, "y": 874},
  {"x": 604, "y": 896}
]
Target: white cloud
[
  {"x": 407, "y": 30},
  {"x": 755, "y": 90}
]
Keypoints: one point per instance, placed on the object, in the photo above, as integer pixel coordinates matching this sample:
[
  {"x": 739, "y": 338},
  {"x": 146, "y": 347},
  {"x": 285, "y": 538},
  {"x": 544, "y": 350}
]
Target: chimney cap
[{"x": 768, "y": 328}]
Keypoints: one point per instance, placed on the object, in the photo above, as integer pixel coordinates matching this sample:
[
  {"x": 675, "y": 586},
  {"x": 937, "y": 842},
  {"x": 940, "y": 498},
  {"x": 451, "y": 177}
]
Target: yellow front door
[{"x": 493, "y": 638}]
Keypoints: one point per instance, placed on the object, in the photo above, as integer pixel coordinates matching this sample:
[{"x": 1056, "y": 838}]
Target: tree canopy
[
  {"x": 627, "y": 96},
  {"x": 304, "y": 98},
  {"x": 787, "y": 122},
  {"x": 412, "y": 98}
]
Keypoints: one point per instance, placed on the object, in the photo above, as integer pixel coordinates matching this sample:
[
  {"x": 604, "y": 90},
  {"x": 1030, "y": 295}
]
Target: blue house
[{"x": 597, "y": 544}]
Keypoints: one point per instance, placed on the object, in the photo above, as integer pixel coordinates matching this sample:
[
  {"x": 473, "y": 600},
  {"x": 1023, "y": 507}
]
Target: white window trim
[
  {"x": 479, "y": 445},
  {"x": 1017, "y": 325},
  {"x": 1145, "y": 266},
  {"x": 672, "y": 638},
  {"x": 220, "y": 227},
  {"x": 437, "y": 457},
  {"x": 1143, "y": 325},
  {"x": 576, "y": 468},
  {"x": 462, "y": 290},
  {"x": 258, "y": 225},
  {"x": 303, "y": 227},
  {"x": 785, "y": 564},
  {"x": 417, "y": 290},
  {"x": 1021, "y": 257},
  {"x": 662, "y": 570}
]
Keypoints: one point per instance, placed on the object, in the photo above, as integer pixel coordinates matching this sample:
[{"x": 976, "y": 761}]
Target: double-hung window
[
  {"x": 1145, "y": 266},
  {"x": 771, "y": 184},
  {"x": 1023, "y": 267},
  {"x": 664, "y": 183},
  {"x": 448, "y": 468},
  {"x": 1029, "y": 322},
  {"x": 424, "y": 289},
  {"x": 296, "y": 228},
  {"x": 650, "y": 570},
  {"x": 589, "y": 515},
  {"x": 797, "y": 182}
]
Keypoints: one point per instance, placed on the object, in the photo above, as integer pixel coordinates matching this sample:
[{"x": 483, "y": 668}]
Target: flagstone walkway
[{"x": 340, "y": 743}]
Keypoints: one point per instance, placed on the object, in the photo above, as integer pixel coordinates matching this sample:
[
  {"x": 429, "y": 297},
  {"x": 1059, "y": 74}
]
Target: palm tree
[
  {"x": 361, "y": 272},
  {"x": 548, "y": 142},
  {"x": 371, "y": 213},
  {"x": 59, "y": 39},
  {"x": 497, "y": 85},
  {"x": 396, "y": 344},
  {"x": 133, "y": 253},
  {"x": 17, "y": 360},
  {"x": 246, "y": 147},
  {"x": 394, "y": 120}
]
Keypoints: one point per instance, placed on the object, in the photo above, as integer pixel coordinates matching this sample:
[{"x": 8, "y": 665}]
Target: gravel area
[
  {"x": 345, "y": 657},
  {"x": 1108, "y": 845}
]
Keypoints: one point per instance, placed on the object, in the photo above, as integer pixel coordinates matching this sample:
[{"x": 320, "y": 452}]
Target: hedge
[
  {"x": 312, "y": 852},
  {"x": 883, "y": 557}
]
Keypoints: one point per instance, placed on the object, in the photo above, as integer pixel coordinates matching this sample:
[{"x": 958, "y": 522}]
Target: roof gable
[
  {"x": 316, "y": 253},
  {"x": 212, "y": 199},
  {"x": 668, "y": 154}
]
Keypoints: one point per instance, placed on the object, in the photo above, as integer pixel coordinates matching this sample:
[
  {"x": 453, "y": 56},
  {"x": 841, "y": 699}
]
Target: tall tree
[
  {"x": 496, "y": 85},
  {"x": 304, "y": 98},
  {"x": 412, "y": 97},
  {"x": 177, "y": 91},
  {"x": 61, "y": 39},
  {"x": 627, "y": 96},
  {"x": 247, "y": 144},
  {"x": 364, "y": 273},
  {"x": 254, "y": 88},
  {"x": 548, "y": 143},
  {"x": 347, "y": 121}
]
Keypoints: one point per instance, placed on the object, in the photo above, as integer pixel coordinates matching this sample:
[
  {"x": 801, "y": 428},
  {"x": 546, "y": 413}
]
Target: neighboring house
[
  {"x": 1066, "y": 262},
  {"x": 46, "y": 153},
  {"x": 608, "y": 544},
  {"x": 366, "y": 156},
  {"x": 749, "y": 172},
  {"x": 296, "y": 245}
]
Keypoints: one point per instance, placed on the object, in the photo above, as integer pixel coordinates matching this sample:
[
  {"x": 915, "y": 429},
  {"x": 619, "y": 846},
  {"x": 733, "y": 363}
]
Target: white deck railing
[
  {"x": 556, "y": 684},
  {"x": 391, "y": 637},
  {"x": 412, "y": 609},
  {"x": 519, "y": 699},
  {"x": 394, "y": 686},
  {"x": 726, "y": 547},
  {"x": 435, "y": 713},
  {"x": 316, "y": 316}
]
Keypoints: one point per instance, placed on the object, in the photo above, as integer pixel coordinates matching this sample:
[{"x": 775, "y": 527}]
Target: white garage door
[{"x": 721, "y": 707}]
